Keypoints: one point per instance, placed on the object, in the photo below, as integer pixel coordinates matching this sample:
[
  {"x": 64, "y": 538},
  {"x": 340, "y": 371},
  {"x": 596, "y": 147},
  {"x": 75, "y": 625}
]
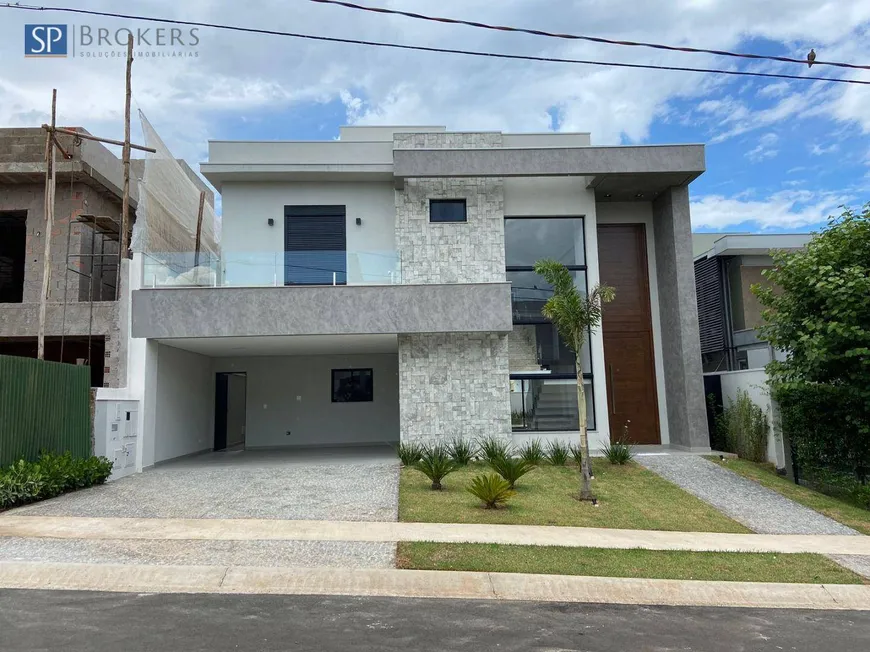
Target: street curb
[
  {"x": 72, "y": 527},
  {"x": 428, "y": 584}
]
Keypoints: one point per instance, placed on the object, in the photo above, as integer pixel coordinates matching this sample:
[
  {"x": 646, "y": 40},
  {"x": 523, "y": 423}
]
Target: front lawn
[
  {"x": 605, "y": 562},
  {"x": 842, "y": 511},
  {"x": 630, "y": 497}
]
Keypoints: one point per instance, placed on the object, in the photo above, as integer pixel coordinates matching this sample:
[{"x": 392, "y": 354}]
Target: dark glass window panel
[
  {"x": 352, "y": 385},
  {"x": 529, "y": 293},
  {"x": 548, "y": 404},
  {"x": 528, "y": 240},
  {"x": 447, "y": 210},
  {"x": 536, "y": 348}
]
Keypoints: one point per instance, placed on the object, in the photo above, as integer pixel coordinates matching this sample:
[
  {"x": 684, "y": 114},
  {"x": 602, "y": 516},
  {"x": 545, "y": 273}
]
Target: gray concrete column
[{"x": 678, "y": 308}]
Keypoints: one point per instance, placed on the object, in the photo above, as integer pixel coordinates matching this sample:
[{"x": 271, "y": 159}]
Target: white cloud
[
  {"x": 238, "y": 74},
  {"x": 765, "y": 148},
  {"x": 820, "y": 150},
  {"x": 787, "y": 209}
]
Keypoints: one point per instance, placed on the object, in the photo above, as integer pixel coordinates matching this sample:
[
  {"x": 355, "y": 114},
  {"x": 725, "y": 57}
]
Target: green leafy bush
[
  {"x": 743, "y": 426},
  {"x": 619, "y": 452},
  {"x": 493, "y": 448},
  {"x": 50, "y": 475},
  {"x": 409, "y": 452},
  {"x": 462, "y": 451},
  {"x": 491, "y": 489},
  {"x": 435, "y": 463},
  {"x": 511, "y": 468},
  {"x": 532, "y": 452},
  {"x": 576, "y": 453},
  {"x": 557, "y": 453}
]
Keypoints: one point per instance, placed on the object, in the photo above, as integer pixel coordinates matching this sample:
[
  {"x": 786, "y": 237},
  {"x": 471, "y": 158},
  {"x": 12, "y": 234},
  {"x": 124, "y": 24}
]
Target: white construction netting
[{"x": 166, "y": 220}]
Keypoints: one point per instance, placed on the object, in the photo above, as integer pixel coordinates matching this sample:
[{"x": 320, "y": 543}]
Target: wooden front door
[{"x": 627, "y": 330}]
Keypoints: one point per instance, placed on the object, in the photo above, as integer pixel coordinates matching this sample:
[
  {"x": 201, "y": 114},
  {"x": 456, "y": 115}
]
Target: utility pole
[
  {"x": 124, "y": 244},
  {"x": 50, "y": 179}
]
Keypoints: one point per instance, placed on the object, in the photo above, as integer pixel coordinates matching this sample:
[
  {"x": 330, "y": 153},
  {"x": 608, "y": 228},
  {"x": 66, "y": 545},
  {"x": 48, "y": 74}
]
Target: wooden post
[
  {"x": 49, "y": 225},
  {"x": 199, "y": 228},
  {"x": 124, "y": 243}
]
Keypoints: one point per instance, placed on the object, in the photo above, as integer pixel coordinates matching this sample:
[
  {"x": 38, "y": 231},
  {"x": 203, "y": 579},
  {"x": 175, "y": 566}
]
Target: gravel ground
[
  {"x": 340, "y": 492},
  {"x": 758, "y": 508},
  {"x": 301, "y": 554}
]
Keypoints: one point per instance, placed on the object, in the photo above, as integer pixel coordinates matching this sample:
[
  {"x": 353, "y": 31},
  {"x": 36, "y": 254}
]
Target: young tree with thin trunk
[{"x": 574, "y": 316}]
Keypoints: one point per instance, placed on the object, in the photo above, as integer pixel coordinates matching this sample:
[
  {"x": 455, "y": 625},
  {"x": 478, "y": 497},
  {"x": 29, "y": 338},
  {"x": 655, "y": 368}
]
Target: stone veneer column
[
  {"x": 678, "y": 308},
  {"x": 457, "y": 384}
]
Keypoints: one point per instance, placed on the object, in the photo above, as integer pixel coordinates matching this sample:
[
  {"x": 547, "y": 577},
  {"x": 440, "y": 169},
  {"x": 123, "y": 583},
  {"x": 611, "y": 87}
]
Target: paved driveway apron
[{"x": 334, "y": 486}]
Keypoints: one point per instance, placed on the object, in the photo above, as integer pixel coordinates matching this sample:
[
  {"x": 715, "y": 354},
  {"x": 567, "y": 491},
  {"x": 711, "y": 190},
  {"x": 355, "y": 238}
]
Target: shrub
[
  {"x": 511, "y": 468},
  {"x": 743, "y": 426},
  {"x": 491, "y": 489},
  {"x": 409, "y": 452},
  {"x": 618, "y": 452},
  {"x": 462, "y": 451},
  {"x": 50, "y": 475},
  {"x": 532, "y": 452},
  {"x": 493, "y": 448},
  {"x": 557, "y": 453},
  {"x": 576, "y": 453},
  {"x": 435, "y": 463}
]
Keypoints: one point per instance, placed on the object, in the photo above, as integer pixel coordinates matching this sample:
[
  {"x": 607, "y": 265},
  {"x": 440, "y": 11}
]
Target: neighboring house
[
  {"x": 726, "y": 266},
  {"x": 379, "y": 288},
  {"x": 86, "y": 323},
  {"x": 82, "y": 311}
]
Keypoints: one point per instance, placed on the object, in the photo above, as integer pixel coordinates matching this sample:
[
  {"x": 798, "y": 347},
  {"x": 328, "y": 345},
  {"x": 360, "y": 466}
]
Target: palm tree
[{"x": 574, "y": 316}]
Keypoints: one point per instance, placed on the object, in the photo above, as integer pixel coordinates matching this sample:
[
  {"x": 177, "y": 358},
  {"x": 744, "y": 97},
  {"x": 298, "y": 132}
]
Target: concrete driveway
[
  {"x": 339, "y": 484},
  {"x": 346, "y": 484}
]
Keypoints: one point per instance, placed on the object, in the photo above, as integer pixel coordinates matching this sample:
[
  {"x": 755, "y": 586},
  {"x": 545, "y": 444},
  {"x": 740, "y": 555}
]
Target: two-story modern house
[{"x": 379, "y": 288}]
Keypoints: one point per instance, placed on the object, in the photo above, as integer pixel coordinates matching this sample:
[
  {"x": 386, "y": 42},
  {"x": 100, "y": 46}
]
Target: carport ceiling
[{"x": 233, "y": 347}]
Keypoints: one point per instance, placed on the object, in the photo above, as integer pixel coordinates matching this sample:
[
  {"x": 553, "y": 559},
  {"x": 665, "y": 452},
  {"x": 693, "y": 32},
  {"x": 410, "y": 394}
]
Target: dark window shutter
[
  {"x": 315, "y": 244},
  {"x": 711, "y": 305}
]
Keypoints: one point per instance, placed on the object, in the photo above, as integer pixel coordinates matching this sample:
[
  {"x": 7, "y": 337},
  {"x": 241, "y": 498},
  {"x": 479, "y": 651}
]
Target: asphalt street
[{"x": 113, "y": 622}]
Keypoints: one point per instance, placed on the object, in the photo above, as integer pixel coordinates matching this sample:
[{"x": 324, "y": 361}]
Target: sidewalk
[
  {"x": 59, "y": 527},
  {"x": 428, "y": 584}
]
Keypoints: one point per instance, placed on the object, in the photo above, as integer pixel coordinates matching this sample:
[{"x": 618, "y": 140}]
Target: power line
[
  {"x": 580, "y": 37},
  {"x": 422, "y": 48}
]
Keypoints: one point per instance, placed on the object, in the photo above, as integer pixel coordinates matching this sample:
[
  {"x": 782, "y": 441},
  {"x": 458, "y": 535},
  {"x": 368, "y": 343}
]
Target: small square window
[
  {"x": 447, "y": 210},
  {"x": 352, "y": 385}
]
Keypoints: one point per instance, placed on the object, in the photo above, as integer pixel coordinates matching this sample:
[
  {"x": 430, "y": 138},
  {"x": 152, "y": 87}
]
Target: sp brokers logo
[{"x": 45, "y": 40}]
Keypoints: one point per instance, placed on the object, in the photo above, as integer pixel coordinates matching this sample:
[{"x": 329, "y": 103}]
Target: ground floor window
[
  {"x": 352, "y": 385},
  {"x": 542, "y": 404}
]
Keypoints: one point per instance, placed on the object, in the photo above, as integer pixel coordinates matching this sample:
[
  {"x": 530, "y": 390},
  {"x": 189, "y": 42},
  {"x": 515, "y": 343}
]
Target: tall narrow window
[{"x": 542, "y": 368}]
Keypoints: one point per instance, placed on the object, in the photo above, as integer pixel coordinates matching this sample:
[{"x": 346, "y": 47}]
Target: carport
[{"x": 269, "y": 393}]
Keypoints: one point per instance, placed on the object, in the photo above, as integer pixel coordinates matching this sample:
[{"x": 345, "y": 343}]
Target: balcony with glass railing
[{"x": 270, "y": 269}]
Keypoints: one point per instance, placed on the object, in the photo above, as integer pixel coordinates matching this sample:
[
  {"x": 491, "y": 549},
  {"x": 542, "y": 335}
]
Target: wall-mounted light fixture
[
  {"x": 359, "y": 221},
  {"x": 271, "y": 222}
]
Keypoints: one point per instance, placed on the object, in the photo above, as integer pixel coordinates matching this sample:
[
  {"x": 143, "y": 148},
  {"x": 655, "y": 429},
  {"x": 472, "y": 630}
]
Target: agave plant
[
  {"x": 493, "y": 448},
  {"x": 462, "y": 451},
  {"x": 557, "y": 453},
  {"x": 491, "y": 489},
  {"x": 532, "y": 452},
  {"x": 409, "y": 452},
  {"x": 435, "y": 463},
  {"x": 511, "y": 468}
]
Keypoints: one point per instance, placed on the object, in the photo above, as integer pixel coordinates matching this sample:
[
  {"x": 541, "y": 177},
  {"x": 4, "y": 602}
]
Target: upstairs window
[{"x": 447, "y": 210}]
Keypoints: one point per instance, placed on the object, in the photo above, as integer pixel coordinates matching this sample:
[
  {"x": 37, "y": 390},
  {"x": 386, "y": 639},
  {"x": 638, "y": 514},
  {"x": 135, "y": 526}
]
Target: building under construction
[{"x": 85, "y": 322}]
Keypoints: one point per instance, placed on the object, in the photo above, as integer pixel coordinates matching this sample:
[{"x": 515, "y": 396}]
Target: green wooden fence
[{"x": 43, "y": 405}]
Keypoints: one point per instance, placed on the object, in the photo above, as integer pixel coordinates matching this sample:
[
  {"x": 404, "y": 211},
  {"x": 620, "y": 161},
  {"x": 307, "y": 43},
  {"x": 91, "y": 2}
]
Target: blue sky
[{"x": 781, "y": 156}]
